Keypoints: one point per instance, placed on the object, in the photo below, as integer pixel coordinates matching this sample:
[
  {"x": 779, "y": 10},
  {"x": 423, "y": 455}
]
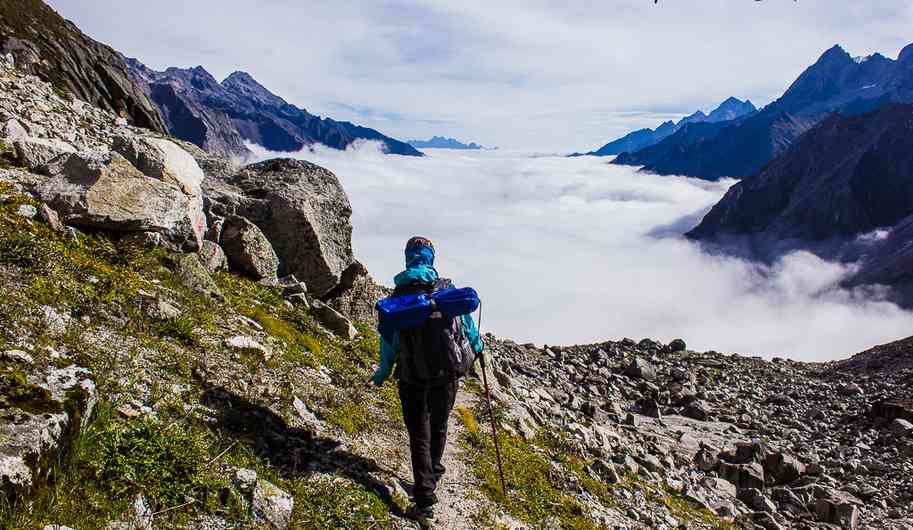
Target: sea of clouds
[{"x": 574, "y": 250}]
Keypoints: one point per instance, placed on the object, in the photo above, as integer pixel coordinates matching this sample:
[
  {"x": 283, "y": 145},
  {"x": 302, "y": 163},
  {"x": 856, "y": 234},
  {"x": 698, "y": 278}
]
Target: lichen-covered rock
[
  {"x": 191, "y": 272},
  {"x": 105, "y": 191},
  {"x": 163, "y": 160},
  {"x": 303, "y": 211},
  {"x": 272, "y": 505},
  {"x": 39, "y": 420},
  {"x": 356, "y": 294},
  {"x": 34, "y": 152},
  {"x": 212, "y": 256},
  {"x": 248, "y": 250}
]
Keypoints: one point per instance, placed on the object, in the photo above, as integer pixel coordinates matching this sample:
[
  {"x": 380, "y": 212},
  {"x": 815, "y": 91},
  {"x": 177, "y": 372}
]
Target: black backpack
[{"x": 436, "y": 351}]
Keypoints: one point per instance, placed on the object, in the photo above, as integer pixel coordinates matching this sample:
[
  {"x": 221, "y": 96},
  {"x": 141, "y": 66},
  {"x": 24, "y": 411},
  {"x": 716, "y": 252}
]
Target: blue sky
[{"x": 540, "y": 75}]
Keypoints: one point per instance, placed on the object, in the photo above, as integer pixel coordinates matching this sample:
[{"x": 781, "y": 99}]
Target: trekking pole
[{"x": 491, "y": 414}]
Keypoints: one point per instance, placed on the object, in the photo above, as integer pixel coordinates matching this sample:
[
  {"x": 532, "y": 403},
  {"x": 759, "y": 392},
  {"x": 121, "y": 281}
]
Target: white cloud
[
  {"x": 515, "y": 73},
  {"x": 562, "y": 252}
]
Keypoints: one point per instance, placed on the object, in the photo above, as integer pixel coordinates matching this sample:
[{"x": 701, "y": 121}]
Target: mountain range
[
  {"x": 441, "y": 142},
  {"x": 830, "y": 192},
  {"x": 729, "y": 109},
  {"x": 836, "y": 82},
  {"x": 221, "y": 117}
]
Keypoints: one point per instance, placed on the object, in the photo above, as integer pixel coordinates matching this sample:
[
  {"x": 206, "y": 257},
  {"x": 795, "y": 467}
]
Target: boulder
[
  {"x": 302, "y": 209},
  {"x": 783, "y": 468},
  {"x": 677, "y": 345},
  {"x": 105, "y": 191},
  {"x": 12, "y": 130},
  {"x": 743, "y": 475},
  {"x": 837, "y": 511},
  {"x": 248, "y": 250},
  {"x": 641, "y": 369},
  {"x": 333, "y": 320},
  {"x": 40, "y": 419},
  {"x": 163, "y": 160},
  {"x": 212, "y": 257},
  {"x": 356, "y": 294},
  {"x": 35, "y": 152},
  {"x": 193, "y": 275}
]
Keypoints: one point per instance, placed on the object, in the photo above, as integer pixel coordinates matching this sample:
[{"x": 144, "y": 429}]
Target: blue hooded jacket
[{"x": 419, "y": 269}]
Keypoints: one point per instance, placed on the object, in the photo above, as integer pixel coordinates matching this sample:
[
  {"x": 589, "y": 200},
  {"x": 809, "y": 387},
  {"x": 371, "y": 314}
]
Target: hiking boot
[{"x": 423, "y": 516}]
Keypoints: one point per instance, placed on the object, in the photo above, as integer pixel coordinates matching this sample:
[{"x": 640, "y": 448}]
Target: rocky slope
[
  {"x": 144, "y": 385},
  {"x": 45, "y": 44},
  {"x": 835, "y": 83},
  {"x": 220, "y": 117},
  {"x": 729, "y": 109}
]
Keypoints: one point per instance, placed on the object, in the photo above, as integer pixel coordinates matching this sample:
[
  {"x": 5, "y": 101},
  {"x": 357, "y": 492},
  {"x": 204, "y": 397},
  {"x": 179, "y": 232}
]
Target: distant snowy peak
[{"x": 441, "y": 142}]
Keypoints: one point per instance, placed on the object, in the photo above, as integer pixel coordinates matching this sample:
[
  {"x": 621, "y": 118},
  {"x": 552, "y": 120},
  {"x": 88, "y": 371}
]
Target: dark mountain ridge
[
  {"x": 729, "y": 109},
  {"x": 46, "y": 45},
  {"x": 835, "y": 83},
  {"x": 847, "y": 177},
  {"x": 221, "y": 117}
]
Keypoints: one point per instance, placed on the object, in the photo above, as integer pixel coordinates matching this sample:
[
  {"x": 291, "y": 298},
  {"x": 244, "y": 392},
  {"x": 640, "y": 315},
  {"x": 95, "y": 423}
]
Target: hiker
[{"x": 427, "y": 398}]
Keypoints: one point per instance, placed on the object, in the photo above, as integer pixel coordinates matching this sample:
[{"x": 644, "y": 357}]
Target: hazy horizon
[{"x": 573, "y": 251}]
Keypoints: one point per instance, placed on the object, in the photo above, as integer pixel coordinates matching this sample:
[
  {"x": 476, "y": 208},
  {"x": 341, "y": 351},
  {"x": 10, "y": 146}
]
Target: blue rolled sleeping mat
[{"x": 411, "y": 310}]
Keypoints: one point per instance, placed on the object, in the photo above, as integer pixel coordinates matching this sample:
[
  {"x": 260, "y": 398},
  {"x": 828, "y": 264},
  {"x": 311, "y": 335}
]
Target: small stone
[
  {"x": 246, "y": 479},
  {"x": 901, "y": 427},
  {"x": 272, "y": 505},
  {"x": 245, "y": 344},
  {"x": 17, "y": 356},
  {"x": 50, "y": 217},
  {"x": 28, "y": 211}
]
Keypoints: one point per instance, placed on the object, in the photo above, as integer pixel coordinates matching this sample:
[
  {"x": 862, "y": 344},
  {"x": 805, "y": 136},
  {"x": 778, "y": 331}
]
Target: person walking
[{"x": 427, "y": 389}]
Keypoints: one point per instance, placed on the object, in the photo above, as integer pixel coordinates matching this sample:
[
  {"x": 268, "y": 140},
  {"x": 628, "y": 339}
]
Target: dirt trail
[{"x": 460, "y": 499}]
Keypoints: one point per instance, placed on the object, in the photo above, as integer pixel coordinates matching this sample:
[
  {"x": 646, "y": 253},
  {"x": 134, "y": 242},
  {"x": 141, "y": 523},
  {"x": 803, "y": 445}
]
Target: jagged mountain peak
[{"x": 244, "y": 84}]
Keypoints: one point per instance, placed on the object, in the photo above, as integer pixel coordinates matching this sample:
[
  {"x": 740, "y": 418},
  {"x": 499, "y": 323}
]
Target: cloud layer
[
  {"x": 575, "y": 250},
  {"x": 544, "y": 75}
]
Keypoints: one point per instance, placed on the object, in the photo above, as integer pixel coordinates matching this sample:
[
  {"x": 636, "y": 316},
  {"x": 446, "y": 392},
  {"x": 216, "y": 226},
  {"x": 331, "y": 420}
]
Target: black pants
[{"x": 425, "y": 411}]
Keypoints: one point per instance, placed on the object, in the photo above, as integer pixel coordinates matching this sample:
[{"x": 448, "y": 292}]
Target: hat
[{"x": 419, "y": 241}]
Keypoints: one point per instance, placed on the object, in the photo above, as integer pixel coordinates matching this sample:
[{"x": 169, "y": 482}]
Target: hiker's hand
[{"x": 369, "y": 383}]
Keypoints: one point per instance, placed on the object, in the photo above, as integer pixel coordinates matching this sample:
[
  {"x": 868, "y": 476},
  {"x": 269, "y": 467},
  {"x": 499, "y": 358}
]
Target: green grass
[{"x": 110, "y": 284}]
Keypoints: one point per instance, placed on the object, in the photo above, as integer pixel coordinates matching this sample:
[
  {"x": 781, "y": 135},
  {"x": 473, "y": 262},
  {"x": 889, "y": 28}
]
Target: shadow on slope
[{"x": 292, "y": 451}]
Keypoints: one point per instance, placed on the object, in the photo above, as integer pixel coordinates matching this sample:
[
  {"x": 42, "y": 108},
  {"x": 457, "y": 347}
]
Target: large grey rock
[
  {"x": 641, "y": 369},
  {"x": 39, "y": 421},
  {"x": 248, "y": 250},
  {"x": 105, "y": 191},
  {"x": 163, "y": 160},
  {"x": 302, "y": 209},
  {"x": 34, "y": 152}
]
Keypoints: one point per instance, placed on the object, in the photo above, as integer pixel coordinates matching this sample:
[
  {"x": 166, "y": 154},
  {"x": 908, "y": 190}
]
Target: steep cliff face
[
  {"x": 845, "y": 177},
  {"x": 220, "y": 117},
  {"x": 45, "y": 44}
]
